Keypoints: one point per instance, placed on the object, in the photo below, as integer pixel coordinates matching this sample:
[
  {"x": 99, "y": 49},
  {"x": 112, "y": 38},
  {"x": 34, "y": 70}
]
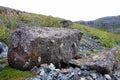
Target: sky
[{"x": 68, "y": 9}]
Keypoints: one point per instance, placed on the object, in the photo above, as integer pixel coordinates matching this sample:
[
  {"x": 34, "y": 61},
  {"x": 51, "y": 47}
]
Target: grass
[
  {"x": 13, "y": 74},
  {"x": 108, "y": 40}
]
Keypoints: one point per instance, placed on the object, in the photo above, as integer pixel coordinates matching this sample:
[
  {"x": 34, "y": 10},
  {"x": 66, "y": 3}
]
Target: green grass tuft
[{"x": 13, "y": 74}]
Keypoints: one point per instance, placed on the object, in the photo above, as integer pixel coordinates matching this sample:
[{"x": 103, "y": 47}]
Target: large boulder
[
  {"x": 105, "y": 62},
  {"x": 30, "y": 47},
  {"x": 66, "y": 23}
]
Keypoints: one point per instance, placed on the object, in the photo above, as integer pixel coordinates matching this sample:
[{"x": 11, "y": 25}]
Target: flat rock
[
  {"x": 105, "y": 62},
  {"x": 30, "y": 47}
]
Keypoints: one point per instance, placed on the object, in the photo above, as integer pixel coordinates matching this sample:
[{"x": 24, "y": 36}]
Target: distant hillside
[
  {"x": 10, "y": 19},
  {"x": 110, "y": 23}
]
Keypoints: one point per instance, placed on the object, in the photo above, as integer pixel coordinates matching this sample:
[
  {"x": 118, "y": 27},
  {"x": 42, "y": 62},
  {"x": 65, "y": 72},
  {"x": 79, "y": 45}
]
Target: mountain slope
[
  {"x": 110, "y": 23},
  {"x": 11, "y": 19}
]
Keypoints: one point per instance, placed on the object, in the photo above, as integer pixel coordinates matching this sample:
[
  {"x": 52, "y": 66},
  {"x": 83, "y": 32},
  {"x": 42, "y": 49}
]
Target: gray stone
[
  {"x": 89, "y": 78},
  {"x": 105, "y": 62},
  {"x": 34, "y": 70},
  {"x": 3, "y": 50},
  {"x": 51, "y": 66},
  {"x": 30, "y": 47},
  {"x": 42, "y": 72},
  {"x": 82, "y": 78},
  {"x": 94, "y": 75},
  {"x": 108, "y": 77}
]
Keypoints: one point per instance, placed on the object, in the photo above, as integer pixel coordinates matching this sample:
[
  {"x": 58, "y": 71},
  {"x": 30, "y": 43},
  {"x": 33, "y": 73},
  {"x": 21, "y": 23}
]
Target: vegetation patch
[
  {"x": 13, "y": 74},
  {"x": 108, "y": 40}
]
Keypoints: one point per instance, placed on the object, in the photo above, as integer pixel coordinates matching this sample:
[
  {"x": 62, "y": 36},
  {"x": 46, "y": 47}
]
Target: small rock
[
  {"x": 43, "y": 65},
  {"x": 64, "y": 71},
  {"x": 108, "y": 77},
  {"x": 82, "y": 78},
  {"x": 88, "y": 78},
  {"x": 34, "y": 70},
  {"x": 83, "y": 67},
  {"x": 70, "y": 69},
  {"x": 51, "y": 66},
  {"x": 100, "y": 77},
  {"x": 42, "y": 72},
  {"x": 79, "y": 73},
  {"x": 93, "y": 75},
  {"x": 3, "y": 50},
  {"x": 71, "y": 75},
  {"x": 63, "y": 78},
  {"x": 95, "y": 57},
  {"x": 85, "y": 73}
]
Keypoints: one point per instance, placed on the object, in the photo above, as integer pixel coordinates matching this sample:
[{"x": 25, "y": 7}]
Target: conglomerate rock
[{"x": 30, "y": 47}]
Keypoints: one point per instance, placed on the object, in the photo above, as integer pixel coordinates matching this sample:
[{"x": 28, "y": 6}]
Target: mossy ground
[{"x": 12, "y": 74}]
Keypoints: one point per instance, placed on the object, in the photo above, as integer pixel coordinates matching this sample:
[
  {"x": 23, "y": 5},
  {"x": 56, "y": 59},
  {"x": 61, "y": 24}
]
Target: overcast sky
[{"x": 69, "y": 9}]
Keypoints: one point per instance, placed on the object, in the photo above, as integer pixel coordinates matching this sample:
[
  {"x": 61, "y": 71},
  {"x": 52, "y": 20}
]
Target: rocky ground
[
  {"x": 90, "y": 44},
  {"x": 102, "y": 67},
  {"x": 78, "y": 72},
  {"x": 49, "y": 72}
]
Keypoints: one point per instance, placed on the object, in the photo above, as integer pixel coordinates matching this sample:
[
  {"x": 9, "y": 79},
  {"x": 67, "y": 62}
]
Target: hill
[
  {"x": 110, "y": 23},
  {"x": 10, "y": 19}
]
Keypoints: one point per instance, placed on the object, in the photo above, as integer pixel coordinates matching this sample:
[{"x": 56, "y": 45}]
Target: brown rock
[
  {"x": 64, "y": 71},
  {"x": 104, "y": 63},
  {"x": 30, "y": 47},
  {"x": 66, "y": 23}
]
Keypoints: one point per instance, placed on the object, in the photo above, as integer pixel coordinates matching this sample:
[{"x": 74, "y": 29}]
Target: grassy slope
[
  {"x": 106, "y": 39},
  {"x": 109, "y": 23},
  {"x": 9, "y": 23}
]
